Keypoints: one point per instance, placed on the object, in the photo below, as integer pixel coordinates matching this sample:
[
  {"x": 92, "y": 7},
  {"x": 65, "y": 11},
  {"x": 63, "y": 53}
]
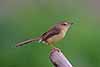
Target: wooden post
[{"x": 58, "y": 59}]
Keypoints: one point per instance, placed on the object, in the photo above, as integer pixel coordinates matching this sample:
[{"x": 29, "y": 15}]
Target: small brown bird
[{"x": 54, "y": 34}]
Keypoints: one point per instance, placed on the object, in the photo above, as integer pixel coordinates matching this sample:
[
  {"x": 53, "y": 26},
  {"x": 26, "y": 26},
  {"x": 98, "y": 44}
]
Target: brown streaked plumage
[{"x": 54, "y": 34}]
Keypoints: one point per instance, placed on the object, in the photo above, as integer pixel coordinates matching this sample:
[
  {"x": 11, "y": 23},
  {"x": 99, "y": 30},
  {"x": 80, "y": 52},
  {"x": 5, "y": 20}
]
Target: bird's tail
[{"x": 27, "y": 41}]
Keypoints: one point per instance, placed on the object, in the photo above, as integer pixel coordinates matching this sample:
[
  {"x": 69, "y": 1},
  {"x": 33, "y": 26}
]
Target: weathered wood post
[{"x": 58, "y": 59}]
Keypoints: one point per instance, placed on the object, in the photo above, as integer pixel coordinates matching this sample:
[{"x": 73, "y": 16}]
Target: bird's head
[{"x": 64, "y": 25}]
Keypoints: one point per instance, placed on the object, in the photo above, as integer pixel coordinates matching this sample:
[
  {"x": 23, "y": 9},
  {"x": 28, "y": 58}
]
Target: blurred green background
[{"x": 25, "y": 19}]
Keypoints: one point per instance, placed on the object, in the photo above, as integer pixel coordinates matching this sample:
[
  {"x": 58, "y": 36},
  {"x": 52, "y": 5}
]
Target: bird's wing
[{"x": 50, "y": 33}]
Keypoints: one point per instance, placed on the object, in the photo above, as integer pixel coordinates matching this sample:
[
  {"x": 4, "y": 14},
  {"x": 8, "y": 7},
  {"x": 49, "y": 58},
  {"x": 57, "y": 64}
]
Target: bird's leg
[{"x": 52, "y": 46}]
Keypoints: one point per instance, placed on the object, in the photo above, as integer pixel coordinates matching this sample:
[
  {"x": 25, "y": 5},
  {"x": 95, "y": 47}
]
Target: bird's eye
[{"x": 64, "y": 24}]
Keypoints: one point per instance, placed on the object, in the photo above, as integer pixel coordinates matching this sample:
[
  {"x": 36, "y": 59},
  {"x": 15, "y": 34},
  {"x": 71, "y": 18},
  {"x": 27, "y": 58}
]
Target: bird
[{"x": 54, "y": 34}]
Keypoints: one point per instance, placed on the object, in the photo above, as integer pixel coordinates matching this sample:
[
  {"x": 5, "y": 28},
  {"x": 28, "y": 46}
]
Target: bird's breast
[{"x": 56, "y": 38}]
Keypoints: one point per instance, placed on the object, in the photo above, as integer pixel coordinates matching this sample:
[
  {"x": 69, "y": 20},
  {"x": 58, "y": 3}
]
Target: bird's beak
[{"x": 71, "y": 23}]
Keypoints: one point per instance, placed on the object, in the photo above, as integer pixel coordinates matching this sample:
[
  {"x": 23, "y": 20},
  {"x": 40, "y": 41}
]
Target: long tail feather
[{"x": 27, "y": 41}]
